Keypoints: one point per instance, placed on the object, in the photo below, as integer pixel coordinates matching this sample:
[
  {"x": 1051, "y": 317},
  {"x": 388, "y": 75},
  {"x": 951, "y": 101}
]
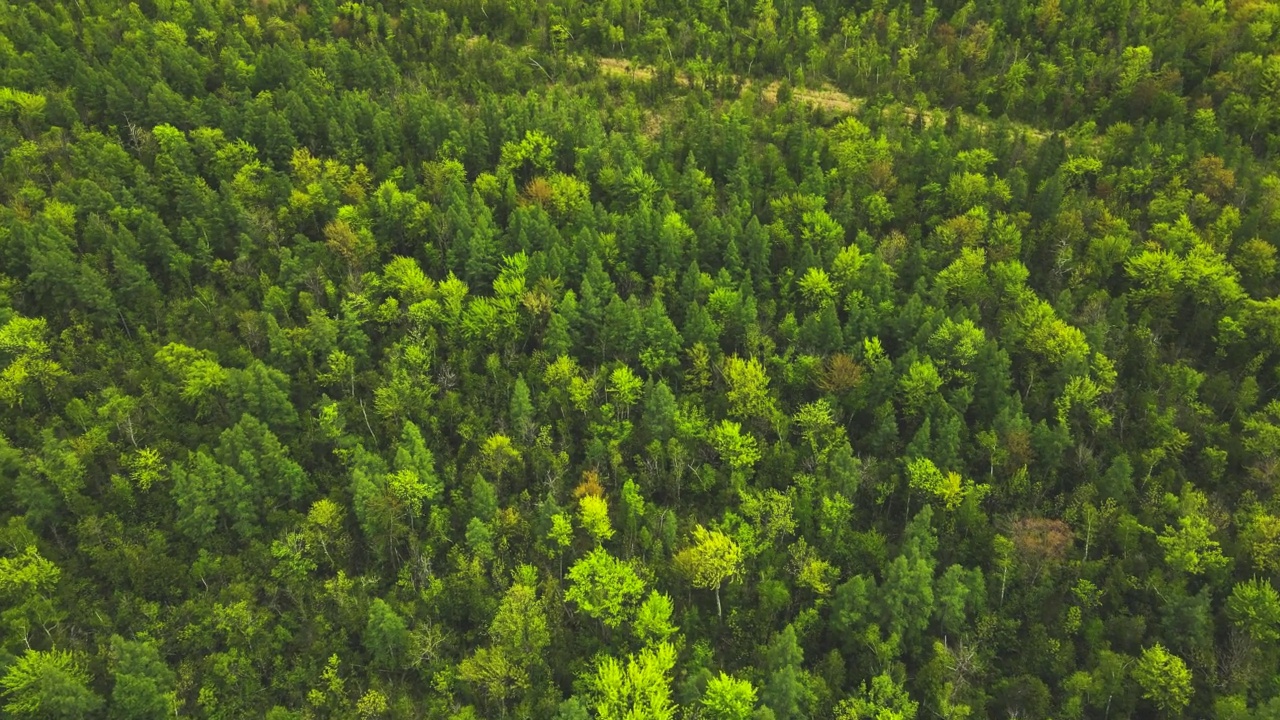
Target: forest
[{"x": 640, "y": 359}]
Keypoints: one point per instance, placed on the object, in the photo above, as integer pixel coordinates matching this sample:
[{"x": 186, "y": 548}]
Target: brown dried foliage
[
  {"x": 1211, "y": 176},
  {"x": 841, "y": 373},
  {"x": 893, "y": 246},
  {"x": 1041, "y": 540},
  {"x": 880, "y": 173},
  {"x": 539, "y": 192},
  {"x": 1017, "y": 445},
  {"x": 590, "y": 485}
]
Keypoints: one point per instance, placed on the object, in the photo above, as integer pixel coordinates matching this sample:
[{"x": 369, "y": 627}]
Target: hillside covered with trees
[{"x": 742, "y": 360}]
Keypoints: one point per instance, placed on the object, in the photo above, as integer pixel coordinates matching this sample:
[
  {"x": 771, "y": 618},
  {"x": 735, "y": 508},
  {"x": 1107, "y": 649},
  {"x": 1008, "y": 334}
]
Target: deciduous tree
[{"x": 711, "y": 559}]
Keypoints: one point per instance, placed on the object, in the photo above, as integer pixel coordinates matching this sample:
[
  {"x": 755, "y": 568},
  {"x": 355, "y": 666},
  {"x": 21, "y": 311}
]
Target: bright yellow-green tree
[{"x": 712, "y": 558}]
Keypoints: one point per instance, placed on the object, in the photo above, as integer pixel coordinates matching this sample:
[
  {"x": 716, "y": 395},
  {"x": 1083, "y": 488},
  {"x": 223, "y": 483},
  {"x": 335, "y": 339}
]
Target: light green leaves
[
  {"x": 519, "y": 633},
  {"x": 1189, "y": 547},
  {"x": 1254, "y": 606},
  {"x": 604, "y": 587},
  {"x": 498, "y": 453},
  {"x": 919, "y": 385},
  {"x": 966, "y": 276},
  {"x": 593, "y": 512},
  {"x": 1164, "y": 678},
  {"x": 535, "y": 148},
  {"x": 957, "y": 343},
  {"x": 817, "y": 289},
  {"x": 406, "y": 278},
  {"x": 738, "y": 450},
  {"x": 1135, "y": 65},
  {"x": 950, "y": 488},
  {"x": 48, "y": 684},
  {"x": 624, "y": 386},
  {"x": 728, "y": 698},
  {"x": 24, "y": 357},
  {"x": 637, "y": 690},
  {"x": 711, "y": 559},
  {"x": 29, "y": 106},
  {"x": 653, "y": 620},
  {"x": 561, "y": 532},
  {"x": 748, "y": 388},
  {"x": 26, "y": 574},
  {"x": 882, "y": 699},
  {"x": 197, "y": 372},
  {"x": 818, "y": 426}
]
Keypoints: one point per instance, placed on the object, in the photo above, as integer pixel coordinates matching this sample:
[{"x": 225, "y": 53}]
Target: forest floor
[{"x": 825, "y": 97}]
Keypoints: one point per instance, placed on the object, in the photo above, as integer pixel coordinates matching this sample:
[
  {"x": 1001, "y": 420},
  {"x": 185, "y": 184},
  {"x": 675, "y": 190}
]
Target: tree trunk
[{"x": 718, "y": 612}]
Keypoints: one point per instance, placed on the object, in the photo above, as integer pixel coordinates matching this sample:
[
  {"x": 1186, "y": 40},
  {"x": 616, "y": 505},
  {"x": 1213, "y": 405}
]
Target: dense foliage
[{"x": 724, "y": 360}]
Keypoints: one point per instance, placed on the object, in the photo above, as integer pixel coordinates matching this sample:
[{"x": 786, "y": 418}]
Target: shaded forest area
[{"x": 639, "y": 360}]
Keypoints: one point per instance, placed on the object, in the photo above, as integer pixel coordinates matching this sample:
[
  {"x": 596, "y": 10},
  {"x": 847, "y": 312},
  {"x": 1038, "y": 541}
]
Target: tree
[
  {"x": 256, "y": 453},
  {"x": 386, "y": 635},
  {"x": 593, "y": 512},
  {"x": 520, "y": 624},
  {"x": 907, "y": 594},
  {"x": 633, "y": 507},
  {"x": 260, "y": 391},
  {"x": 621, "y": 328},
  {"x": 919, "y": 385},
  {"x": 1254, "y": 606},
  {"x": 639, "y": 689},
  {"x": 817, "y": 289},
  {"x": 710, "y": 560},
  {"x": 24, "y": 354},
  {"x": 48, "y": 684},
  {"x": 925, "y": 478},
  {"x": 786, "y": 688},
  {"x": 199, "y": 374},
  {"x": 498, "y": 453},
  {"x": 604, "y": 587},
  {"x": 493, "y": 670},
  {"x": 728, "y": 698},
  {"x": 480, "y": 244},
  {"x": 414, "y": 481},
  {"x": 659, "y": 411},
  {"x": 144, "y": 684},
  {"x": 27, "y": 585},
  {"x": 1189, "y": 547},
  {"x": 738, "y": 450},
  {"x": 624, "y": 388},
  {"x": 958, "y": 591},
  {"x": 572, "y": 709},
  {"x": 883, "y": 699},
  {"x": 560, "y": 535},
  {"x": 653, "y": 620},
  {"x": 661, "y": 340},
  {"x": 1164, "y": 679},
  {"x": 747, "y": 389},
  {"x": 517, "y": 635},
  {"x": 521, "y": 411},
  {"x": 811, "y": 570},
  {"x": 817, "y": 425},
  {"x": 1136, "y": 64},
  {"x": 205, "y": 491}
]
